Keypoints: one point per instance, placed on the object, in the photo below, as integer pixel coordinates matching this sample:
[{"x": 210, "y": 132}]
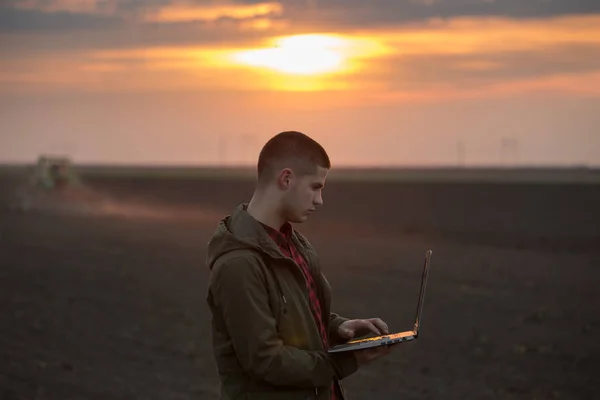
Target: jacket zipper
[{"x": 279, "y": 287}]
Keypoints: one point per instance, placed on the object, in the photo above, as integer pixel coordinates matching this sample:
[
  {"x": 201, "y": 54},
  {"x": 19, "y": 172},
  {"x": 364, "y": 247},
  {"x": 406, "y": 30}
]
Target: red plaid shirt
[{"x": 283, "y": 239}]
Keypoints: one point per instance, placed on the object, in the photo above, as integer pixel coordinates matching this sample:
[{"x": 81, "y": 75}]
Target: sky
[{"x": 377, "y": 83}]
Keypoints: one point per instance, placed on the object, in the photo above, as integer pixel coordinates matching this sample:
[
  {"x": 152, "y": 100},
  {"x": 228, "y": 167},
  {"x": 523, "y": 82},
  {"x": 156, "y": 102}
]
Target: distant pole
[
  {"x": 460, "y": 153},
  {"x": 222, "y": 150},
  {"x": 255, "y": 148},
  {"x": 245, "y": 150},
  {"x": 509, "y": 151}
]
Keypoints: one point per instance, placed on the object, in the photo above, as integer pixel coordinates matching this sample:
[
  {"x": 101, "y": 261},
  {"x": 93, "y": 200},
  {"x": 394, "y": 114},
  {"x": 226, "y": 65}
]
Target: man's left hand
[{"x": 359, "y": 327}]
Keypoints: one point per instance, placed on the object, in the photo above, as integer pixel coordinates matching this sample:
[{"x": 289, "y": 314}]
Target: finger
[
  {"x": 371, "y": 354},
  {"x": 383, "y": 351},
  {"x": 368, "y": 325},
  {"x": 376, "y": 325},
  {"x": 347, "y": 333},
  {"x": 377, "y": 352},
  {"x": 382, "y": 326},
  {"x": 369, "y": 351}
]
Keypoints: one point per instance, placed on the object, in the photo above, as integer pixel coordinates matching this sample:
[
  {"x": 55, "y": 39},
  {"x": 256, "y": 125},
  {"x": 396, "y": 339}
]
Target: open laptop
[{"x": 387, "y": 340}]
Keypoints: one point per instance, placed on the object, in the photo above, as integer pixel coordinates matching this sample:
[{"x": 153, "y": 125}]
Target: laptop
[{"x": 394, "y": 338}]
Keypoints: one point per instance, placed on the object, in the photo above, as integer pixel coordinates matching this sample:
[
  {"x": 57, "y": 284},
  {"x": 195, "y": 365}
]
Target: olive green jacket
[{"x": 266, "y": 343}]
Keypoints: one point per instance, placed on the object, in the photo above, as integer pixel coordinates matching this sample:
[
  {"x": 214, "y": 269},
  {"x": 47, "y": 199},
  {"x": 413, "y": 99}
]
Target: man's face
[{"x": 304, "y": 195}]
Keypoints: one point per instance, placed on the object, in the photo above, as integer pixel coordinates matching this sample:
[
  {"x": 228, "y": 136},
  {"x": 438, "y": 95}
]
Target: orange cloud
[
  {"x": 290, "y": 63},
  {"x": 587, "y": 84},
  {"x": 183, "y": 12},
  {"x": 262, "y": 24},
  {"x": 73, "y": 6},
  {"x": 259, "y": 15},
  {"x": 462, "y": 58},
  {"x": 472, "y": 35}
]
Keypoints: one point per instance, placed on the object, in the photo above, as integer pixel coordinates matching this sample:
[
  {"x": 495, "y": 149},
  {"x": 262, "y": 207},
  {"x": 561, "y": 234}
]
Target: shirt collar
[{"x": 283, "y": 235}]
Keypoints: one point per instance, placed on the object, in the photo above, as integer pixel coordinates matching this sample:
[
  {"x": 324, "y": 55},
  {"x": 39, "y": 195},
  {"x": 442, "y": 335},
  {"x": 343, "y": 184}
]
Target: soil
[{"x": 108, "y": 303}]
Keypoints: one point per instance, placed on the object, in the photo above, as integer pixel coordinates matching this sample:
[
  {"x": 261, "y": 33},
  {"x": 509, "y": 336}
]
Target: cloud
[
  {"x": 471, "y": 56},
  {"x": 425, "y": 9},
  {"x": 34, "y": 21},
  {"x": 568, "y": 69},
  {"x": 189, "y": 11},
  {"x": 66, "y": 15},
  {"x": 461, "y": 58},
  {"x": 350, "y": 14},
  {"x": 62, "y": 15},
  {"x": 69, "y": 6},
  {"x": 564, "y": 85}
]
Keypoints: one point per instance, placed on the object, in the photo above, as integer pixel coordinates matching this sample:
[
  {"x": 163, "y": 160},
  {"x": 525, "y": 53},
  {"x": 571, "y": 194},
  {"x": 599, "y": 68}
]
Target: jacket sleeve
[{"x": 238, "y": 290}]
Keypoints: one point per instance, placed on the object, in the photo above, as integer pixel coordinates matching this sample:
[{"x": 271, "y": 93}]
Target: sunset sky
[{"x": 381, "y": 82}]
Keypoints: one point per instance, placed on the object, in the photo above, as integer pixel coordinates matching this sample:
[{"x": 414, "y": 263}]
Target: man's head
[{"x": 293, "y": 167}]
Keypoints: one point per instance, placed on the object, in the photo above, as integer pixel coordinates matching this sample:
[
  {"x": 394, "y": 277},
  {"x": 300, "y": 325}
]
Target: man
[{"x": 270, "y": 302}]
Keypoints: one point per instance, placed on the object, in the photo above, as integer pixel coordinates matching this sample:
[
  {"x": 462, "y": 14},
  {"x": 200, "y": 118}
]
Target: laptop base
[{"x": 378, "y": 341}]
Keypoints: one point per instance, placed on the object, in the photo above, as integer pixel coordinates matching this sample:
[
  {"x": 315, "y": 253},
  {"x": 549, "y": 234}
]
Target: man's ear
[{"x": 284, "y": 179}]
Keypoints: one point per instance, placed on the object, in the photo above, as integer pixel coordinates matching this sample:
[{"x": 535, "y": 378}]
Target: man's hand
[
  {"x": 359, "y": 327},
  {"x": 367, "y": 356}
]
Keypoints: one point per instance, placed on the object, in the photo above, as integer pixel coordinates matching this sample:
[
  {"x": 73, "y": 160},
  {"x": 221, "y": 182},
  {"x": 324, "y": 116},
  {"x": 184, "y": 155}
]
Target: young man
[{"x": 270, "y": 302}]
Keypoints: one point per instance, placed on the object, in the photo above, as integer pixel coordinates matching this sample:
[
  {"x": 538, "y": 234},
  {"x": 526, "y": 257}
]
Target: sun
[
  {"x": 313, "y": 54},
  {"x": 306, "y": 62}
]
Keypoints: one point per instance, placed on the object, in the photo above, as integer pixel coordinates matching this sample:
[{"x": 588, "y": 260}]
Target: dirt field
[{"x": 110, "y": 304}]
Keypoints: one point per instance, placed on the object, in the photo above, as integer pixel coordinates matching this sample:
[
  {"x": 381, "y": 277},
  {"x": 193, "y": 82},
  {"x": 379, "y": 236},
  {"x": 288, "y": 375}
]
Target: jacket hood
[{"x": 239, "y": 231}]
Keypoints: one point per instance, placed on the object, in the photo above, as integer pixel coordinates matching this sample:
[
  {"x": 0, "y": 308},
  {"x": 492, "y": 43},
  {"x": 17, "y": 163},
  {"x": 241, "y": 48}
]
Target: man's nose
[{"x": 318, "y": 200}]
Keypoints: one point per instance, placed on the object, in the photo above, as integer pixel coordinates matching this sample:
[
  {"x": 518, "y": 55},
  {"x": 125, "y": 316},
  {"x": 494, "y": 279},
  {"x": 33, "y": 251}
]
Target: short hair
[{"x": 294, "y": 150}]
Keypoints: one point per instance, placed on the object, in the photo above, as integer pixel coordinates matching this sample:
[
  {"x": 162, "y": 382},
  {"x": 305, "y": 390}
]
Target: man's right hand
[{"x": 366, "y": 356}]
